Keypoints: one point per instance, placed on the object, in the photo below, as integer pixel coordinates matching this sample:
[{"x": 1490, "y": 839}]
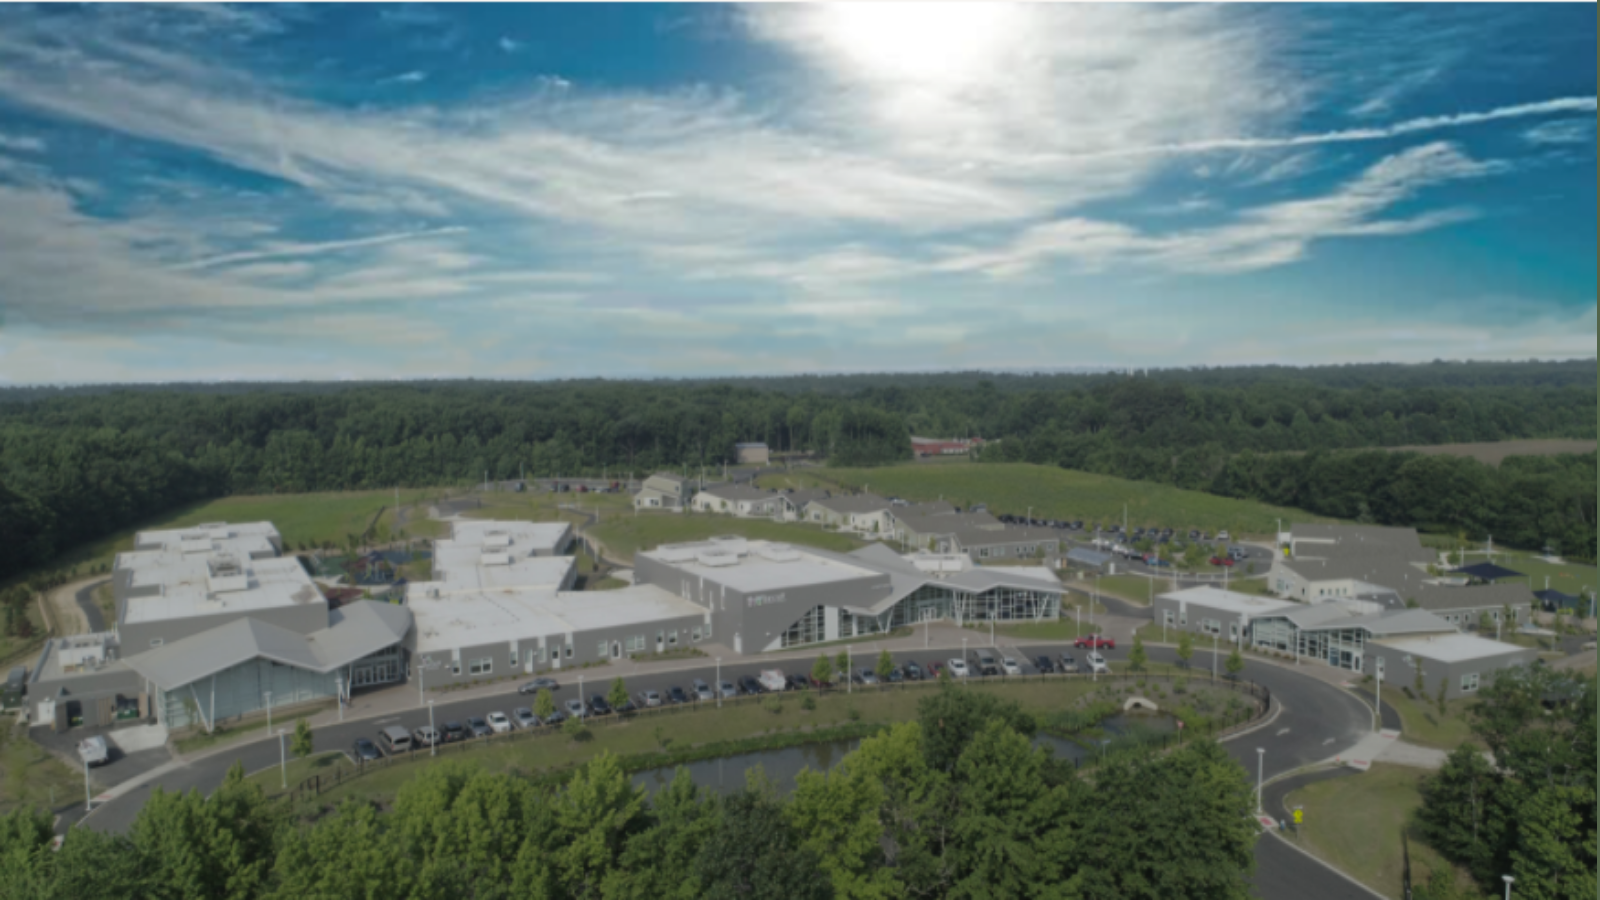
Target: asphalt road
[{"x": 91, "y": 610}]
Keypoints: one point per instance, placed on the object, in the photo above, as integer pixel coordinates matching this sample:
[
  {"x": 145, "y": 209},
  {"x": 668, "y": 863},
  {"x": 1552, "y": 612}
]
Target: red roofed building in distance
[{"x": 922, "y": 446}]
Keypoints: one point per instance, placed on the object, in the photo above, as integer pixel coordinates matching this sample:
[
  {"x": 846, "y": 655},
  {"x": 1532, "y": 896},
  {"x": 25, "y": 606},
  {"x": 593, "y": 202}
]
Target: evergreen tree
[
  {"x": 755, "y": 852},
  {"x": 1137, "y": 658}
]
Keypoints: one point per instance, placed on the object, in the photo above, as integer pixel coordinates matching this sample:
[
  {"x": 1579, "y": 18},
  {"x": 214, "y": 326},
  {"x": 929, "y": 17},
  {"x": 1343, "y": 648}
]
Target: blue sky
[{"x": 327, "y": 192}]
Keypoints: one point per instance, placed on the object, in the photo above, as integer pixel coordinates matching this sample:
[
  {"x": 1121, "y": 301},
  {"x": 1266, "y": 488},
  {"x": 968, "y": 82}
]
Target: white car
[
  {"x": 958, "y": 668},
  {"x": 650, "y": 698},
  {"x": 94, "y": 751},
  {"x": 525, "y": 718},
  {"x": 498, "y": 723},
  {"x": 1222, "y": 536},
  {"x": 1009, "y": 666},
  {"x": 576, "y": 709},
  {"x": 1097, "y": 664}
]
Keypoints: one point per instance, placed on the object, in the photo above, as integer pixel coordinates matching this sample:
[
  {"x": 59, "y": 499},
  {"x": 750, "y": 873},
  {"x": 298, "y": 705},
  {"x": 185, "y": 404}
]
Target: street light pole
[
  {"x": 1508, "y": 880},
  {"x": 88, "y": 796},
  {"x": 283, "y": 759},
  {"x": 1213, "y": 657},
  {"x": 849, "y": 665},
  {"x": 338, "y": 694},
  {"x": 433, "y": 733},
  {"x": 1261, "y": 762},
  {"x": 719, "y": 682},
  {"x": 269, "y": 712},
  {"x": 1377, "y": 709}
]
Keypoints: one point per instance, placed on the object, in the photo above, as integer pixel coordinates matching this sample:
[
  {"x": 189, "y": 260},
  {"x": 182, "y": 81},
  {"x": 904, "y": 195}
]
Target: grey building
[
  {"x": 753, "y": 453},
  {"x": 1213, "y": 611},
  {"x": 1464, "y": 662},
  {"x": 739, "y": 500},
  {"x": 664, "y": 490},
  {"x": 865, "y": 513}
]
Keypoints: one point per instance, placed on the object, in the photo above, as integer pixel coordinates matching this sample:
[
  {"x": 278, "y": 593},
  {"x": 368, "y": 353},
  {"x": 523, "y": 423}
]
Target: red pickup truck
[{"x": 1095, "y": 642}]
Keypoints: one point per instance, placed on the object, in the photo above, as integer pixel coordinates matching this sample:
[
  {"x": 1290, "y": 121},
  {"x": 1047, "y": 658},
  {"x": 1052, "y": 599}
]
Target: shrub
[
  {"x": 774, "y": 706},
  {"x": 854, "y": 714},
  {"x": 808, "y": 703}
]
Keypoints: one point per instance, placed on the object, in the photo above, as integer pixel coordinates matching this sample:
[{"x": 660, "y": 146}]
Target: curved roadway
[{"x": 1312, "y": 722}]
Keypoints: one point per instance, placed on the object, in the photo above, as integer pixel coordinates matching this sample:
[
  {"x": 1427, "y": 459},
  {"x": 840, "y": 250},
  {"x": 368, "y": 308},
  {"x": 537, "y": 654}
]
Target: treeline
[
  {"x": 1531, "y": 813},
  {"x": 958, "y": 804},
  {"x": 76, "y": 466}
]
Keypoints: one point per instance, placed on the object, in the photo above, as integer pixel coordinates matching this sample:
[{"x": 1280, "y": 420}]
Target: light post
[
  {"x": 1077, "y": 628},
  {"x": 1508, "y": 879},
  {"x": 88, "y": 796},
  {"x": 421, "y": 696},
  {"x": 964, "y": 654},
  {"x": 849, "y": 664},
  {"x": 1261, "y": 762},
  {"x": 338, "y": 695},
  {"x": 283, "y": 758},
  {"x": 1377, "y": 709},
  {"x": 269, "y": 712},
  {"x": 719, "y": 682},
  {"x": 1213, "y": 657},
  {"x": 433, "y": 733},
  {"x": 1093, "y": 600},
  {"x": 1030, "y": 517}
]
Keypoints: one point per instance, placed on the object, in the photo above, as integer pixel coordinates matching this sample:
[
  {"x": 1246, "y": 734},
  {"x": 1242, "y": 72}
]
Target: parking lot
[{"x": 1223, "y": 550}]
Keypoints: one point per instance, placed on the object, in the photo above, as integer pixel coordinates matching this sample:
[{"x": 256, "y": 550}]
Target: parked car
[
  {"x": 1223, "y": 536},
  {"x": 987, "y": 664},
  {"x": 1009, "y": 666},
  {"x": 626, "y": 707},
  {"x": 650, "y": 698},
  {"x": 537, "y": 685},
  {"x": 524, "y": 717},
  {"x": 749, "y": 685},
  {"x": 425, "y": 736},
  {"x": 478, "y": 726},
  {"x": 1222, "y": 561},
  {"x": 869, "y": 677},
  {"x": 599, "y": 706},
  {"x": 365, "y": 751},
  {"x": 675, "y": 694},
  {"x": 797, "y": 683},
  {"x": 576, "y": 709},
  {"x": 499, "y": 722},
  {"x": 555, "y": 718},
  {"x": 395, "y": 739},
  {"x": 1160, "y": 563},
  {"x": 818, "y": 683},
  {"x": 1194, "y": 534},
  {"x": 773, "y": 680},
  {"x": 1077, "y": 524},
  {"x": 1066, "y": 663},
  {"x": 1095, "y": 642},
  {"x": 1097, "y": 663},
  {"x": 702, "y": 691},
  {"x": 728, "y": 689},
  {"x": 896, "y": 675},
  {"x": 958, "y": 668},
  {"x": 453, "y": 731},
  {"x": 913, "y": 672},
  {"x": 935, "y": 669}
]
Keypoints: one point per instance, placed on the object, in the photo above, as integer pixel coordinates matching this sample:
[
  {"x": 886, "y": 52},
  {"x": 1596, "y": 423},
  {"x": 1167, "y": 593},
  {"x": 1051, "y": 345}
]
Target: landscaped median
[{"x": 673, "y": 735}]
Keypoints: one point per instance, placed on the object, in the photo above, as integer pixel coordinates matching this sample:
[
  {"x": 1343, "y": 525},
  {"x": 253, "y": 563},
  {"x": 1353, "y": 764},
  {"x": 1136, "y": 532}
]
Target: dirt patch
[{"x": 65, "y": 615}]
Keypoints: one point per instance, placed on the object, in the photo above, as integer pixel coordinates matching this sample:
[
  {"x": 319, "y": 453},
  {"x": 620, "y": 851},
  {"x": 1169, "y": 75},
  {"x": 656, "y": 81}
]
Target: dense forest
[
  {"x": 78, "y": 463},
  {"x": 958, "y": 804}
]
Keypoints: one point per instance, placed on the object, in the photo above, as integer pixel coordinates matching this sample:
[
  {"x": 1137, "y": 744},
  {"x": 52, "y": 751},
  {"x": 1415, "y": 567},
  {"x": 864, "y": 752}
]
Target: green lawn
[
  {"x": 692, "y": 727},
  {"x": 625, "y": 535},
  {"x": 1054, "y": 493},
  {"x": 1355, "y": 823},
  {"x": 31, "y": 777},
  {"x": 1421, "y": 723}
]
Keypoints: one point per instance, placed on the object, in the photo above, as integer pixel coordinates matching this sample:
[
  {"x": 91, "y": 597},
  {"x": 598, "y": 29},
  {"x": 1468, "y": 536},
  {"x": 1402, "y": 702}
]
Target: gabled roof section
[{"x": 857, "y": 503}]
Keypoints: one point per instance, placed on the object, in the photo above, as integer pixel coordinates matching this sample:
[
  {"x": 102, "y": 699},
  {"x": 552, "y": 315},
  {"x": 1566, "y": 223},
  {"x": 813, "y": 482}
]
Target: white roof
[
  {"x": 520, "y": 538},
  {"x": 187, "y": 586},
  {"x": 457, "y": 568},
  {"x": 1451, "y": 647},
  {"x": 478, "y": 618},
  {"x": 757, "y": 565},
  {"x": 1231, "y": 601},
  {"x": 244, "y": 539}
]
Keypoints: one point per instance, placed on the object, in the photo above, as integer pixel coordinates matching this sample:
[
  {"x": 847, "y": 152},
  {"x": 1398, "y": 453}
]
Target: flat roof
[
  {"x": 755, "y": 566},
  {"x": 526, "y": 537},
  {"x": 466, "y": 568},
  {"x": 1451, "y": 647},
  {"x": 243, "y": 539},
  {"x": 1231, "y": 601},
  {"x": 186, "y": 586},
  {"x": 478, "y": 618}
]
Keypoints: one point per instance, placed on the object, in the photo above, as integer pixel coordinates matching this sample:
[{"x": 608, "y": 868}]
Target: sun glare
[{"x": 923, "y": 42}]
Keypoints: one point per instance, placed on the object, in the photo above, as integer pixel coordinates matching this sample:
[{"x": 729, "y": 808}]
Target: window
[
  {"x": 697, "y": 635},
  {"x": 604, "y": 648},
  {"x": 1469, "y": 683},
  {"x": 480, "y": 666},
  {"x": 511, "y": 661},
  {"x": 569, "y": 651},
  {"x": 542, "y": 649},
  {"x": 455, "y": 667},
  {"x": 636, "y": 643},
  {"x": 672, "y": 637},
  {"x": 708, "y": 631},
  {"x": 156, "y": 642}
]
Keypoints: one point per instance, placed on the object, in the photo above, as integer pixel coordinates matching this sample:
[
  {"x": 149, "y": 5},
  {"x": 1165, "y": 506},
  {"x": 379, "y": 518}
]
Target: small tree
[
  {"x": 544, "y": 705},
  {"x": 1484, "y": 625},
  {"x": 301, "y": 744},
  {"x": 575, "y": 728},
  {"x": 885, "y": 666},
  {"x": 1136, "y": 656},
  {"x": 618, "y": 695},
  {"x": 841, "y": 665},
  {"x": 945, "y": 678},
  {"x": 1185, "y": 648},
  {"x": 822, "y": 669},
  {"x": 1234, "y": 664}
]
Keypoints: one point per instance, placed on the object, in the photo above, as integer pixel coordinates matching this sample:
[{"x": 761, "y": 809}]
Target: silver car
[
  {"x": 702, "y": 691},
  {"x": 650, "y": 698},
  {"x": 727, "y": 689},
  {"x": 576, "y": 709}
]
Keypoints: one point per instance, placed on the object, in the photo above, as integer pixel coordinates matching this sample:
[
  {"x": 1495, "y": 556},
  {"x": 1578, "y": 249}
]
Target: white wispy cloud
[
  {"x": 415, "y": 76},
  {"x": 21, "y": 143},
  {"x": 509, "y": 44},
  {"x": 1562, "y": 132},
  {"x": 279, "y": 250}
]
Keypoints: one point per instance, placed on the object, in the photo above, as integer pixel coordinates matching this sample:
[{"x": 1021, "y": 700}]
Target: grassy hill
[
  {"x": 1054, "y": 493},
  {"x": 627, "y": 534}
]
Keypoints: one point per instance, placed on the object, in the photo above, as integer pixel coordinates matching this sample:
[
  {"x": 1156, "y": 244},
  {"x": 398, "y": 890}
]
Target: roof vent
[
  {"x": 495, "y": 559},
  {"x": 717, "y": 558}
]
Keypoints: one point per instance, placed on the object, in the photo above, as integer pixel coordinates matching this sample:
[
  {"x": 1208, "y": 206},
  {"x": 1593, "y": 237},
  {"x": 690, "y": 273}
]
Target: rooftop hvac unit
[
  {"x": 676, "y": 554},
  {"x": 495, "y": 559},
  {"x": 497, "y": 539},
  {"x": 716, "y": 558},
  {"x": 779, "y": 553}
]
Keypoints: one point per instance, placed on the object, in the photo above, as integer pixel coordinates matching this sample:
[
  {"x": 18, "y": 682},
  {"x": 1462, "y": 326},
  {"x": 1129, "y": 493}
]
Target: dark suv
[{"x": 452, "y": 732}]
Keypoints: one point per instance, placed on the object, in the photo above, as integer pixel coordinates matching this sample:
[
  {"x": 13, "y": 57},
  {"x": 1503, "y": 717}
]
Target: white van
[{"x": 395, "y": 739}]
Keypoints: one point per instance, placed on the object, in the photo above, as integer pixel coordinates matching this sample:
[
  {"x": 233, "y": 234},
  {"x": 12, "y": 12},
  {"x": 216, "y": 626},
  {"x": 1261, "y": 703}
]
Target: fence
[{"x": 1228, "y": 725}]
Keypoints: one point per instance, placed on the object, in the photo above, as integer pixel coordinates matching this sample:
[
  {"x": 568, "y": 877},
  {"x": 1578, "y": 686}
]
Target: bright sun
[{"x": 922, "y": 42}]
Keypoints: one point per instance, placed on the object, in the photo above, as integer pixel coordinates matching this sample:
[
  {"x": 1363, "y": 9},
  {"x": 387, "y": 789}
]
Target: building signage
[{"x": 764, "y": 599}]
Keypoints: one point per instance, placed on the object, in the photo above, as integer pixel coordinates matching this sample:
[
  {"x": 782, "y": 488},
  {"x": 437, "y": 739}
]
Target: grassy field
[
  {"x": 693, "y": 727},
  {"x": 32, "y": 777},
  {"x": 1355, "y": 823},
  {"x": 1054, "y": 493},
  {"x": 1493, "y": 452},
  {"x": 1421, "y": 723},
  {"x": 625, "y": 535},
  {"x": 546, "y": 507}
]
